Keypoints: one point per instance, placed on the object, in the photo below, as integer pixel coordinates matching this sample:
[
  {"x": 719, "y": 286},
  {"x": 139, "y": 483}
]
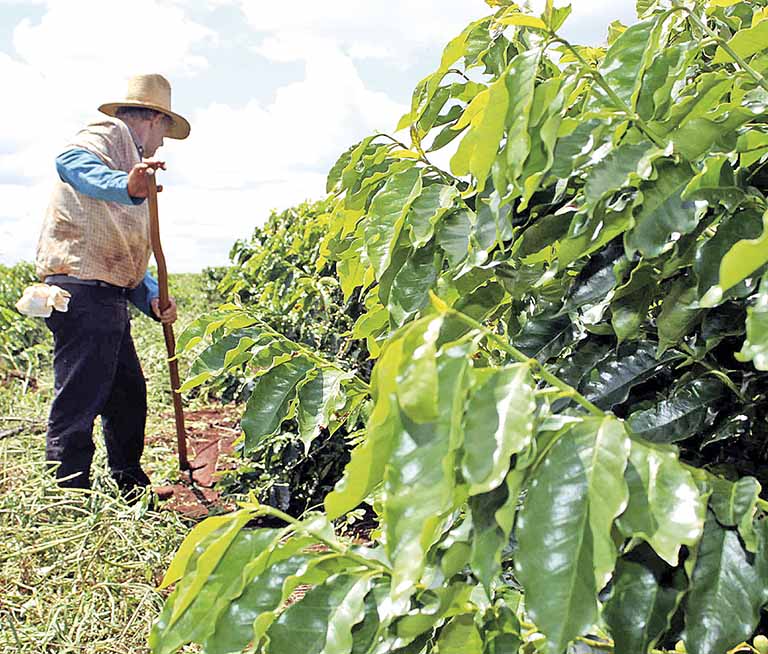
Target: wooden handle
[{"x": 170, "y": 341}]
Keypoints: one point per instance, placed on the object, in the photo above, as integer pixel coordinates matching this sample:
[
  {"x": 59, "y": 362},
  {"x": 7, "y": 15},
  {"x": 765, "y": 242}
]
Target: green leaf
[
  {"x": 322, "y": 620},
  {"x": 543, "y": 337},
  {"x": 427, "y": 210},
  {"x": 417, "y": 381},
  {"x": 627, "y": 164},
  {"x": 193, "y": 539},
  {"x": 614, "y": 377},
  {"x": 498, "y": 424},
  {"x": 366, "y": 467},
  {"x": 273, "y": 400},
  {"x": 197, "y": 623},
  {"x": 734, "y": 506},
  {"x": 744, "y": 258},
  {"x": 319, "y": 399},
  {"x": 480, "y": 144},
  {"x": 198, "y": 591},
  {"x": 460, "y": 636},
  {"x": 665, "y": 508},
  {"x": 680, "y": 313},
  {"x": 755, "y": 348},
  {"x": 668, "y": 68},
  {"x": 642, "y": 602},
  {"x": 687, "y": 412},
  {"x": 235, "y": 627},
  {"x": 626, "y": 61},
  {"x": 411, "y": 285},
  {"x": 453, "y": 236},
  {"x": 521, "y": 86},
  {"x": 365, "y": 632},
  {"x": 662, "y": 213},
  {"x": 566, "y": 552},
  {"x": 744, "y": 43},
  {"x": 706, "y": 93},
  {"x": 577, "y": 140},
  {"x": 433, "y": 606},
  {"x": 732, "y": 229},
  {"x": 588, "y": 233},
  {"x": 715, "y": 184},
  {"x": 726, "y": 593},
  {"x": 420, "y": 478},
  {"x": 386, "y": 216},
  {"x": 712, "y": 132},
  {"x": 631, "y": 301}
]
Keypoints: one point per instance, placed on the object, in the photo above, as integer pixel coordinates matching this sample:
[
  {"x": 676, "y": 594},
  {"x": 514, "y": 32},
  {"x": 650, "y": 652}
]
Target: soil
[{"x": 211, "y": 433}]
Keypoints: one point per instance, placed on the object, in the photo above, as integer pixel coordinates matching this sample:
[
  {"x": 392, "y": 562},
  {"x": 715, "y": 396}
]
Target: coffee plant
[{"x": 564, "y": 431}]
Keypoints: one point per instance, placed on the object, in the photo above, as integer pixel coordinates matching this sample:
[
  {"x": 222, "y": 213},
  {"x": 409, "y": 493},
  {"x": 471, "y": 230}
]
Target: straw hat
[{"x": 151, "y": 92}]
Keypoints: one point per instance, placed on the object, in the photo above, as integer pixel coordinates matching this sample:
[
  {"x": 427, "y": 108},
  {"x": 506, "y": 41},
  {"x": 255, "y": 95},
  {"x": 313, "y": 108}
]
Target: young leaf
[
  {"x": 744, "y": 258},
  {"x": 485, "y": 115}
]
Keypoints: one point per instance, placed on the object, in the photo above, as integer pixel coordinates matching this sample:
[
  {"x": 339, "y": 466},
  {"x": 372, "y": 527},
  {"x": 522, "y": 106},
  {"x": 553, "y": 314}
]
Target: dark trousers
[{"x": 96, "y": 372}]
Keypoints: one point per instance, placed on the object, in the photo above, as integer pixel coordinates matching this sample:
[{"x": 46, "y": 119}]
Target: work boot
[{"x": 131, "y": 483}]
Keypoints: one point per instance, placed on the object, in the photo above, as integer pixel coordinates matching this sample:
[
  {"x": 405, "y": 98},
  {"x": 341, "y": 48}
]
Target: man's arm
[
  {"x": 143, "y": 294},
  {"x": 89, "y": 175}
]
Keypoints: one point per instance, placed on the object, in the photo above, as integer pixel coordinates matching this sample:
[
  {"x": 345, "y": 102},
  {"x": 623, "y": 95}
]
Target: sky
[{"x": 274, "y": 92}]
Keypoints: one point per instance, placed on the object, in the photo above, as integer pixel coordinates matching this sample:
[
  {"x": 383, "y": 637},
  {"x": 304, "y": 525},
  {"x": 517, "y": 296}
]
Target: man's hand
[
  {"x": 137, "y": 178},
  {"x": 168, "y": 316}
]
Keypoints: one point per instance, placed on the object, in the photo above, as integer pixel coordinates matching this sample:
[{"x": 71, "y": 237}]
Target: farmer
[{"x": 95, "y": 244}]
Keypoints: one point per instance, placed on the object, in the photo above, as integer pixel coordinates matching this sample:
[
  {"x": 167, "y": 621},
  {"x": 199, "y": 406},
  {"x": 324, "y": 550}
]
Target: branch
[{"x": 538, "y": 367}]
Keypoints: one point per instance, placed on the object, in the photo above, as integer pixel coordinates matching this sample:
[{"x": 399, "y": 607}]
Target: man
[{"x": 95, "y": 244}]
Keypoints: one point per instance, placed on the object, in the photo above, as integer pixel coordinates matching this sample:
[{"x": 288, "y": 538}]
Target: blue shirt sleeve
[
  {"x": 89, "y": 175},
  {"x": 143, "y": 294}
]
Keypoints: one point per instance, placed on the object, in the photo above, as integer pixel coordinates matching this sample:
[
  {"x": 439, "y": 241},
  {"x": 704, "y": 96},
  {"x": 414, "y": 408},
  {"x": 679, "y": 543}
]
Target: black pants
[{"x": 96, "y": 372}]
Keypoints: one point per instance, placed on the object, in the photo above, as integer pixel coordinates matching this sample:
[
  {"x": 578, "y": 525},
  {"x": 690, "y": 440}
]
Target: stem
[
  {"x": 265, "y": 509},
  {"x": 422, "y": 155},
  {"x": 757, "y": 77},
  {"x": 552, "y": 380},
  {"x": 617, "y": 101},
  {"x": 312, "y": 356}
]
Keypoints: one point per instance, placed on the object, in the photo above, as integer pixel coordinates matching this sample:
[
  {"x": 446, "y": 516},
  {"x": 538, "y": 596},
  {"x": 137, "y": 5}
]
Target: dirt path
[{"x": 211, "y": 433}]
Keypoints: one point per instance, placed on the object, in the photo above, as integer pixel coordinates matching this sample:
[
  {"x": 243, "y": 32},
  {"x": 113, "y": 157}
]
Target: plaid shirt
[{"x": 94, "y": 239}]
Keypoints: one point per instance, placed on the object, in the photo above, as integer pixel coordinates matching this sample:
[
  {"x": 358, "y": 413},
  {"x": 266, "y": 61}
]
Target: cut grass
[{"x": 79, "y": 569}]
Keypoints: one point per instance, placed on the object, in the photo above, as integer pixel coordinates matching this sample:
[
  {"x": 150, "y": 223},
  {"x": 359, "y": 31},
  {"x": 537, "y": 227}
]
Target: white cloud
[
  {"x": 304, "y": 128},
  {"x": 89, "y": 45},
  {"x": 398, "y": 27}
]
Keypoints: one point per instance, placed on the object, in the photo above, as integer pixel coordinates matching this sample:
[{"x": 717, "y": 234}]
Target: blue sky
[{"x": 274, "y": 92}]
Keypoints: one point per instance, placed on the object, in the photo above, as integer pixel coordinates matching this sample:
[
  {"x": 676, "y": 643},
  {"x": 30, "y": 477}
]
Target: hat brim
[{"x": 179, "y": 130}]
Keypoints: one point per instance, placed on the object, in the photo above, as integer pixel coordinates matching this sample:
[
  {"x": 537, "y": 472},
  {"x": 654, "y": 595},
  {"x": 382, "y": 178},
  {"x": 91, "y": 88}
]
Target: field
[{"x": 535, "y": 380}]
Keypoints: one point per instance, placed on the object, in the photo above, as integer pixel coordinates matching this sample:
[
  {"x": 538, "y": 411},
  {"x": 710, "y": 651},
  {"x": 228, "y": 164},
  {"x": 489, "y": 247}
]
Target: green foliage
[{"x": 564, "y": 326}]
